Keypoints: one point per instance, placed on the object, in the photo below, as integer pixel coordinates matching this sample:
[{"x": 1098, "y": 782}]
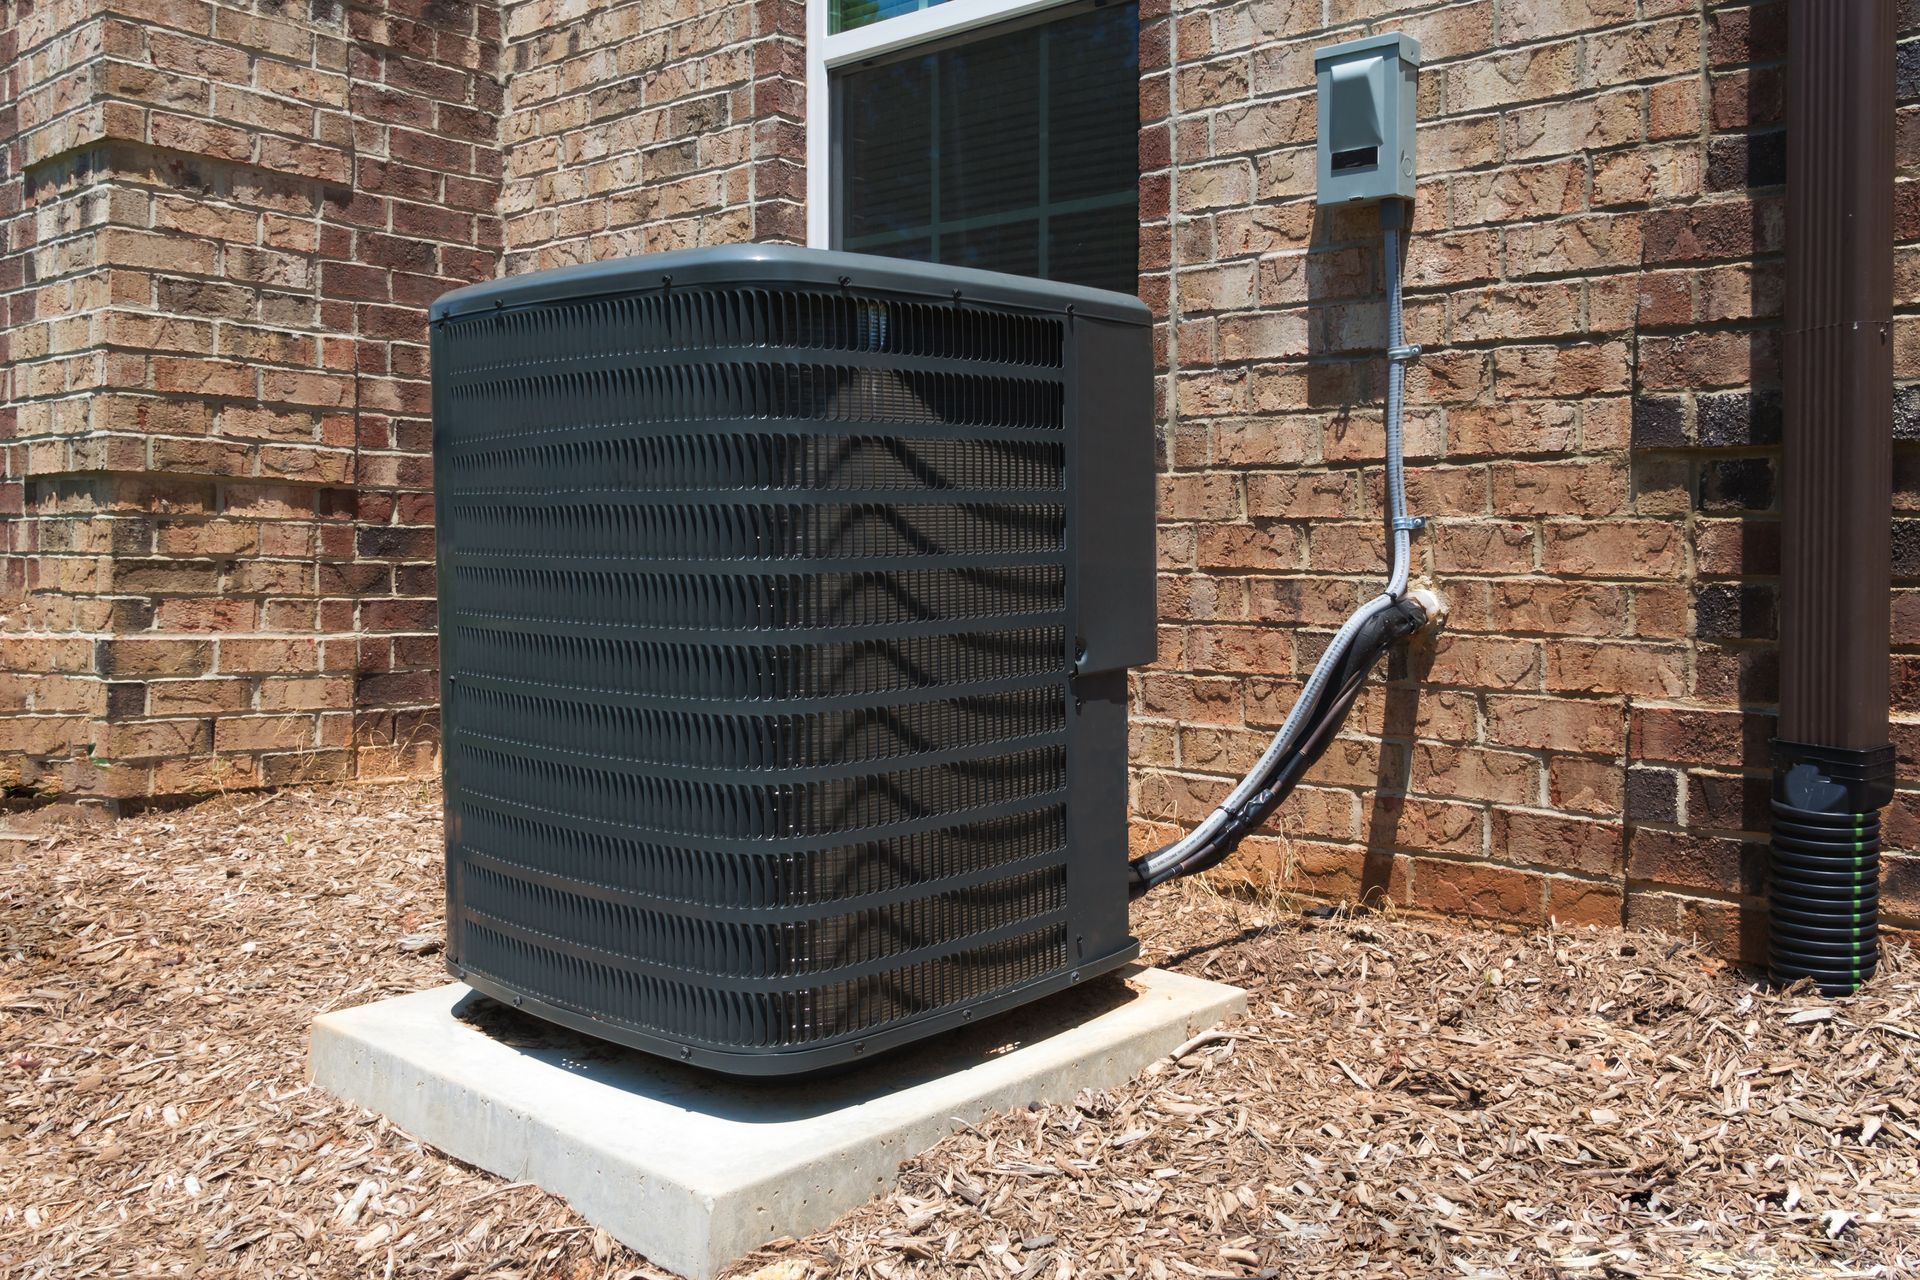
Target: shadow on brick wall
[
  {"x": 1345, "y": 297},
  {"x": 1705, "y": 454},
  {"x": 1406, "y": 673}
]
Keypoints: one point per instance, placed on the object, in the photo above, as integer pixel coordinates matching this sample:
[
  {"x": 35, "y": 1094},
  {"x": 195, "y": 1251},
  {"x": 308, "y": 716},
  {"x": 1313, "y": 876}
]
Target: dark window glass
[
  {"x": 886, "y": 174},
  {"x": 1013, "y": 152}
]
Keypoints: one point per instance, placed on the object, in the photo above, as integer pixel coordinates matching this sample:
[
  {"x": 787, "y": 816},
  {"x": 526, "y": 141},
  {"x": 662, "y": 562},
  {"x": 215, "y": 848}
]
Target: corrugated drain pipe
[{"x": 1833, "y": 766}]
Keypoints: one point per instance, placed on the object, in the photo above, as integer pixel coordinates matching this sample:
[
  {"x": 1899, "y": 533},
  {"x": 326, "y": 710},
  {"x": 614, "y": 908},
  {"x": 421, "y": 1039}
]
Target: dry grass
[{"x": 1405, "y": 1099}]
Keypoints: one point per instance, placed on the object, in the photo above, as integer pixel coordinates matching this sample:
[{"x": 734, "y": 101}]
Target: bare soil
[{"x": 1406, "y": 1098}]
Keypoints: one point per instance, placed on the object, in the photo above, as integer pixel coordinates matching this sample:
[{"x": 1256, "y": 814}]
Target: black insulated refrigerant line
[
  {"x": 1376, "y": 627},
  {"x": 1832, "y": 765}
]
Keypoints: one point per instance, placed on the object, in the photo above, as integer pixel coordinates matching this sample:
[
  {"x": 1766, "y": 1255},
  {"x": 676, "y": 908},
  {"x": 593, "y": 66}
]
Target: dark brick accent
[
  {"x": 1738, "y": 418},
  {"x": 1659, "y": 422},
  {"x": 1653, "y": 795},
  {"x": 1741, "y": 484}
]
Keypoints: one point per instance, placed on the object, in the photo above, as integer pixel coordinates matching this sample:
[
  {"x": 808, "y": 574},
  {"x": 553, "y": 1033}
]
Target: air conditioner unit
[{"x": 786, "y": 599}]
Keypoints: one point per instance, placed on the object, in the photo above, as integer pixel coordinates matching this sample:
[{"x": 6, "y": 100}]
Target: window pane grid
[
  {"x": 1014, "y": 152},
  {"x": 932, "y": 231}
]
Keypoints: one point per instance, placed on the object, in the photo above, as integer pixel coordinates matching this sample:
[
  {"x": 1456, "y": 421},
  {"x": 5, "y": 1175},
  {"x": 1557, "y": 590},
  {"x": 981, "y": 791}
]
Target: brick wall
[
  {"x": 637, "y": 127},
  {"x": 222, "y": 223},
  {"x": 1595, "y": 275},
  {"x": 219, "y": 224}
]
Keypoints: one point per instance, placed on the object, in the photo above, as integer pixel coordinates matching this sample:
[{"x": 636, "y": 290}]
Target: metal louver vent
[{"x": 786, "y": 601}]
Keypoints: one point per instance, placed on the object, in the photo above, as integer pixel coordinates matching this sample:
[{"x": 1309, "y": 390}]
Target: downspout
[{"x": 1832, "y": 762}]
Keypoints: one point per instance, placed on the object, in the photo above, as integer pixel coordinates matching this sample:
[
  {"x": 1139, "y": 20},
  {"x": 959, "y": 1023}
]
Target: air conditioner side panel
[{"x": 1110, "y": 412}]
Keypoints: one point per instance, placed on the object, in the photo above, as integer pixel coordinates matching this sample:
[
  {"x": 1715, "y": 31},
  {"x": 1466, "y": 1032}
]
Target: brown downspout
[{"x": 1833, "y": 766}]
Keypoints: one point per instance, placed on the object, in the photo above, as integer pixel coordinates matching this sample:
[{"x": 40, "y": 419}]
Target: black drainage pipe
[
  {"x": 1832, "y": 765},
  {"x": 1823, "y": 899}
]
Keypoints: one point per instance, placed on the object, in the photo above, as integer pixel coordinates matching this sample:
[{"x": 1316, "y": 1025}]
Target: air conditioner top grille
[
  {"x": 698, "y": 319},
  {"x": 739, "y": 268}
]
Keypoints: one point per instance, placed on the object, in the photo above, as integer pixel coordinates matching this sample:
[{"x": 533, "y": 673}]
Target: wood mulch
[{"x": 1406, "y": 1098}]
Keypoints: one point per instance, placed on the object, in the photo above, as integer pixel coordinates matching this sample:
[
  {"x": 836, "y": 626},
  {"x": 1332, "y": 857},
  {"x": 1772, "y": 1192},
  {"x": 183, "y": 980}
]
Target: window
[
  {"x": 848, "y": 14},
  {"x": 1011, "y": 145}
]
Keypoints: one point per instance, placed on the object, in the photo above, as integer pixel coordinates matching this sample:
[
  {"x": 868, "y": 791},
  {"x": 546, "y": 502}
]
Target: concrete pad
[{"x": 694, "y": 1170}]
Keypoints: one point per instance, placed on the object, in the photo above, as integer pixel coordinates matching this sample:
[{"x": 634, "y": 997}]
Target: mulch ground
[{"x": 1406, "y": 1098}]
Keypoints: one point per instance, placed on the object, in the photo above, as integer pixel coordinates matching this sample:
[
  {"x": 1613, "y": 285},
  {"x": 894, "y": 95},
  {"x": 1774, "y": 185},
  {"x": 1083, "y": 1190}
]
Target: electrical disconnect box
[{"x": 1367, "y": 90}]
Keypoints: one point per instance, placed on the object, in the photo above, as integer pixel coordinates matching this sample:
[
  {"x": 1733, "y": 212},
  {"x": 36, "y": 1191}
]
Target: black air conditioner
[{"x": 786, "y": 601}]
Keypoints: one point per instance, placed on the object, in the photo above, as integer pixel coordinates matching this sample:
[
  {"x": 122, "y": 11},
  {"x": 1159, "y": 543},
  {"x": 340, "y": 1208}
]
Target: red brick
[
  {"x": 1669, "y": 47},
  {"x": 1693, "y": 736},
  {"x": 1545, "y": 18},
  {"x": 1715, "y": 864},
  {"x": 1517, "y": 311},
  {"x": 1531, "y": 838},
  {"x": 139, "y": 657},
  {"x": 1485, "y": 663},
  {"x": 1512, "y": 427},
  {"x": 1474, "y": 773},
  {"x": 1583, "y": 369},
  {"x": 151, "y": 739},
  {"x": 1579, "y": 785},
  {"x": 1610, "y": 666},
  {"x": 1556, "y": 724},
  {"x": 1474, "y": 889},
  {"x": 1614, "y": 548},
  {"x": 1415, "y": 822},
  {"x": 226, "y": 425},
  {"x": 262, "y": 733},
  {"x": 1507, "y": 76},
  {"x": 1533, "y": 191},
  {"x": 1572, "y": 902},
  {"x": 1214, "y": 700}
]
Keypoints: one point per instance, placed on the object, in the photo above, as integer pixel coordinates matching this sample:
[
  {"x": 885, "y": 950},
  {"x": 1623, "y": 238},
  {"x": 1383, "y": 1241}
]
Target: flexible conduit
[{"x": 1210, "y": 841}]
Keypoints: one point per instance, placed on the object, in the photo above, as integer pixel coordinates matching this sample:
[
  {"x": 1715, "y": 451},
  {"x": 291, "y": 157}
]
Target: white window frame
[{"x": 826, "y": 52}]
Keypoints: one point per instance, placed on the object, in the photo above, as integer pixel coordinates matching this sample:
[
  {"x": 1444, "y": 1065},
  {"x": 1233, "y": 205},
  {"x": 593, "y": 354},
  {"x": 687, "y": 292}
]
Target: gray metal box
[
  {"x": 1367, "y": 91},
  {"x": 786, "y": 601}
]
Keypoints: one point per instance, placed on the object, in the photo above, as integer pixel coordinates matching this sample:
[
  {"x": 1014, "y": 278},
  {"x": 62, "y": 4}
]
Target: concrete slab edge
[
  {"x": 1052, "y": 1070},
  {"x": 454, "y": 1088}
]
